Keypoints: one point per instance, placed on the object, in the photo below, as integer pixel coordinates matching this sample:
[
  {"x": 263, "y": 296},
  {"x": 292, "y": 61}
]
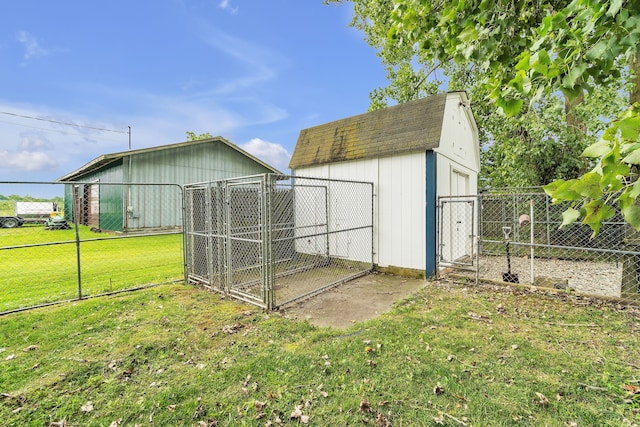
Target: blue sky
[{"x": 255, "y": 72}]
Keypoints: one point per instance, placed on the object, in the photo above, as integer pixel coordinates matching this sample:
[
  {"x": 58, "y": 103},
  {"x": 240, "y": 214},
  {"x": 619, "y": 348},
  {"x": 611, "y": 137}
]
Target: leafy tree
[
  {"x": 192, "y": 136},
  {"x": 525, "y": 51},
  {"x": 541, "y": 144}
]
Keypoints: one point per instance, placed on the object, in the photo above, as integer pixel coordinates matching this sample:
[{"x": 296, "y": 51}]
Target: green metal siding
[
  {"x": 190, "y": 164},
  {"x": 111, "y": 207},
  {"x": 129, "y": 207},
  {"x": 182, "y": 165}
]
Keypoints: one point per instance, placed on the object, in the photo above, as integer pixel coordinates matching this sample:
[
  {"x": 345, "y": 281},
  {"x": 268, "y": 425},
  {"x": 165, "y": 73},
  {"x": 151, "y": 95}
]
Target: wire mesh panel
[
  {"x": 520, "y": 240},
  {"x": 285, "y": 238},
  {"x": 456, "y": 236},
  {"x": 245, "y": 220},
  {"x": 72, "y": 240}
]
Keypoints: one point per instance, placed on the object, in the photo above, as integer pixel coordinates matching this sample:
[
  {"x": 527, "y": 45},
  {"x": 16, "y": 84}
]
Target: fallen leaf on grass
[
  {"x": 438, "y": 390},
  {"x": 232, "y": 329},
  {"x": 382, "y": 421},
  {"x": 365, "y": 406},
  {"x": 259, "y": 405},
  {"x": 116, "y": 423},
  {"x": 9, "y": 357},
  {"x": 368, "y": 349},
  {"x": 439, "y": 419},
  {"x": 542, "y": 399},
  {"x": 478, "y": 317},
  {"x": 87, "y": 407},
  {"x": 30, "y": 348},
  {"x": 172, "y": 408},
  {"x": 62, "y": 423},
  {"x": 247, "y": 380},
  {"x": 632, "y": 389},
  {"x": 298, "y": 415},
  {"x": 200, "y": 411}
]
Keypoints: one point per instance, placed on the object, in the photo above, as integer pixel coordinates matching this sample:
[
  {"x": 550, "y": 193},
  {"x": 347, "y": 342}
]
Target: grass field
[
  {"x": 451, "y": 355},
  {"x": 34, "y": 275}
]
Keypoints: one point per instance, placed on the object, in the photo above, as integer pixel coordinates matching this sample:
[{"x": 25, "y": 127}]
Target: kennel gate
[
  {"x": 271, "y": 239},
  {"x": 456, "y": 231}
]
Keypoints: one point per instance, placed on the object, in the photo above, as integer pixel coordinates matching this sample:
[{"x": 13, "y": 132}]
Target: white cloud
[
  {"x": 31, "y": 45},
  {"x": 29, "y": 161},
  {"x": 261, "y": 63},
  {"x": 33, "y": 142},
  {"x": 273, "y": 154},
  {"x": 226, "y": 5}
]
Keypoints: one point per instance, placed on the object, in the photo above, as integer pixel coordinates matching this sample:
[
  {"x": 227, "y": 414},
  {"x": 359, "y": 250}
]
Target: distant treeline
[{"x": 28, "y": 198}]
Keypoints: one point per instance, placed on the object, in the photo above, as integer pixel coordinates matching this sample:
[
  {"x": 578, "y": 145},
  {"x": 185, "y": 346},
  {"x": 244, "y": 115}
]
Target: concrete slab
[{"x": 356, "y": 301}]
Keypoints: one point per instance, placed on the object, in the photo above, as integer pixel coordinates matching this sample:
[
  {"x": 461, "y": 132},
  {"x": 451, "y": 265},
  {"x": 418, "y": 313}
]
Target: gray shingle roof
[{"x": 403, "y": 128}]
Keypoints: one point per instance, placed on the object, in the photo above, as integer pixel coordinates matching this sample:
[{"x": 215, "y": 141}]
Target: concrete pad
[{"x": 358, "y": 300}]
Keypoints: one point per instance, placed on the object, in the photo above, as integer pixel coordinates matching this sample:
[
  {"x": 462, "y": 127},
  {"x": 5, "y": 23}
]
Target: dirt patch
[{"x": 358, "y": 300}]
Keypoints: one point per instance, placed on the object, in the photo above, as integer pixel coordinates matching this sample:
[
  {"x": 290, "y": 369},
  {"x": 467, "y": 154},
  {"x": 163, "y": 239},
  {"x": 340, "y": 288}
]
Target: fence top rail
[
  {"x": 273, "y": 177},
  {"x": 574, "y": 248},
  {"x": 157, "y": 184}
]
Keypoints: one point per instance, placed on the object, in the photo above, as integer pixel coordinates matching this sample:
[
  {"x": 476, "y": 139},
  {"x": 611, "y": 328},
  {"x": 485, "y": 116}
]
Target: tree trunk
[{"x": 634, "y": 65}]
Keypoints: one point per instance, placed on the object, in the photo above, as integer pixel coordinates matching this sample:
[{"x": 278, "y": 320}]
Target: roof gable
[
  {"x": 106, "y": 159},
  {"x": 409, "y": 127}
]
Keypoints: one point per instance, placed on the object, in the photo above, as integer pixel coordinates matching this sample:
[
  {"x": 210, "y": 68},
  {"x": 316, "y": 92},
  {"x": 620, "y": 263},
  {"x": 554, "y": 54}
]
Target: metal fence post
[
  {"x": 75, "y": 222},
  {"x": 268, "y": 285}
]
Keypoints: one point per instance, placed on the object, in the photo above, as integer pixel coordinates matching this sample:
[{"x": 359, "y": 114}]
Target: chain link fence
[
  {"x": 517, "y": 238},
  {"x": 271, "y": 240},
  {"x": 66, "y": 241}
]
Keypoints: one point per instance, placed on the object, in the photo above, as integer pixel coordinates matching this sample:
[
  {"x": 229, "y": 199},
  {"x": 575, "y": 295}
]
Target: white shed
[{"x": 413, "y": 153}]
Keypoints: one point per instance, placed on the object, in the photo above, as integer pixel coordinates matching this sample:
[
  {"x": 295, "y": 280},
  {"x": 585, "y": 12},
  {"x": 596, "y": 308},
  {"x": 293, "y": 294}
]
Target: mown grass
[
  {"x": 35, "y": 275},
  {"x": 450, "y": 355}
]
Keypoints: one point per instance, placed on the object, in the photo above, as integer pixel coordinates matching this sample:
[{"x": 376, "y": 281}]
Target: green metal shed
[{"x": 139, "y": 189}]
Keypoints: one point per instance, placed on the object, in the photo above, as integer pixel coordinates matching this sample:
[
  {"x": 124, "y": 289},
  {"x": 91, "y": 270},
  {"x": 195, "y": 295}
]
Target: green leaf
[
  {"x": 634, "y": 190},
  {"x": 633, "y": 158},
  {"x": 523, "y": 64},
  {"x": 588, "y": 185},
  {"x": 570, "y": 92},
  {"x": 598, "y": 50},
  {"x": 563, "y": 191},
  {"x": 570, "y": 79},
  {"x": 510, "y": 107},
  {"x": 631, "y": 214},
  {"x": 570, "y": 216},
  {"x": 597, "y": 149},
  {"x": 552, "y": 187},
  {"x": 614, "y": 7},
  {"x": 596, "y": 212},
  {"x": 630, "y": 127},
  {"x": 468, "y": 35},
  {"x": 540, "y": 62}
]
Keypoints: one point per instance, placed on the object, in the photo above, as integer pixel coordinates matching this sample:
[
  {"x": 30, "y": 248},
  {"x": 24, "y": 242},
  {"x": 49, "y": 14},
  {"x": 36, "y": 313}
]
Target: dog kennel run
[{"x": 273, "y": 239}]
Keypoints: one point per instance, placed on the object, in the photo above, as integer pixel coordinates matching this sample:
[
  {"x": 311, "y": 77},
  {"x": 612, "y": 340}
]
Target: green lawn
[
  {"x": 451, "y": 355},
  {"x": 39, "y": 274}
]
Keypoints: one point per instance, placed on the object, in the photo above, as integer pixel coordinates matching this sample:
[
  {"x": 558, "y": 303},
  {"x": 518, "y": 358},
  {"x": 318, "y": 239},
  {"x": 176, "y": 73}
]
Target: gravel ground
[{"x": 589, "y": 277}]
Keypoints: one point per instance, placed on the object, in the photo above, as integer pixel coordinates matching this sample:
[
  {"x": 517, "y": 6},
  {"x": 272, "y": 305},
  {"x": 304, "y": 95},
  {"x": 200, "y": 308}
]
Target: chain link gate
[
  {"x": 518, "y": 237},
  {"x": 456, "y": 232},
  {"x": 270, "y": 239}
]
